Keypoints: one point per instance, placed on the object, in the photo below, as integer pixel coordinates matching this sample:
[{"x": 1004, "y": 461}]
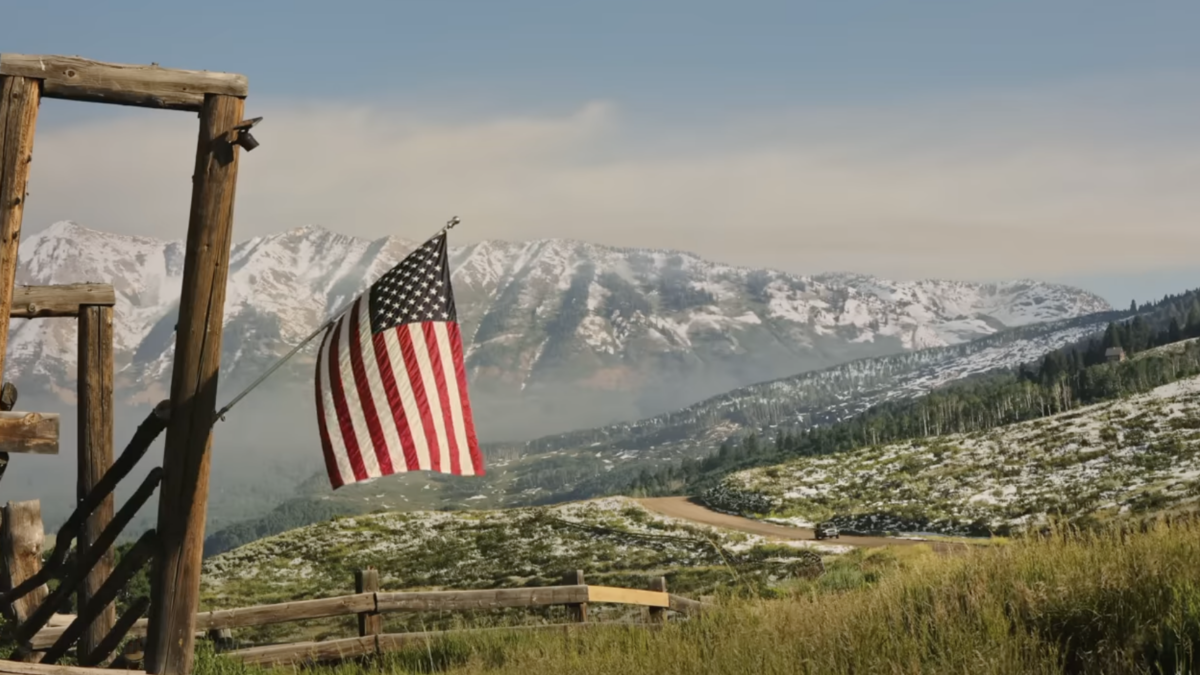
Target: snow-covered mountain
[{"x": 625, "y": 332}]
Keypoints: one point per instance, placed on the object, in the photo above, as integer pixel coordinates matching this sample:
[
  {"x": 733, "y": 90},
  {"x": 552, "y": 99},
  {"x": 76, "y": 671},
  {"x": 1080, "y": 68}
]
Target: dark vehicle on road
[{"x": 826, "y": 530}]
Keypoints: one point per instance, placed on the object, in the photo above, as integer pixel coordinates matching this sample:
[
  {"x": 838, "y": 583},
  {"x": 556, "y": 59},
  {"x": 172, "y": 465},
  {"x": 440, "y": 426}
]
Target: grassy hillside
[
  {"x": 609, "y": 460},
  {"x": 1133, "y": 455},
  {"x": 614, "y": 541},
  {"x": 1101, "y": 603},
  {"x": 975, "y": 386},
  {"x": 1065, "y": 381}
]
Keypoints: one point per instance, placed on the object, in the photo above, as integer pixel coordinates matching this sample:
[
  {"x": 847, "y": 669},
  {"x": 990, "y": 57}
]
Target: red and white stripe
[{"x": 393, "y": 402}]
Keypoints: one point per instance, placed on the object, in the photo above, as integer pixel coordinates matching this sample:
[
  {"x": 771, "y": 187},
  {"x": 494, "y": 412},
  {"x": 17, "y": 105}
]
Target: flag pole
[{"x": 220, "y": 414}]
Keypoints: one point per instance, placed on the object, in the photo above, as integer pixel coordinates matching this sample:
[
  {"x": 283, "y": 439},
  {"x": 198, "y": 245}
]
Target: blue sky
[{"x": 978, "y": 133}]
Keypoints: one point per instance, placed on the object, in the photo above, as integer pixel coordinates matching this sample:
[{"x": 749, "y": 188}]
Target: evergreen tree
[
  {"x": 1174, "y": 332},
  {"x": 1112, "y": 336},
  {"x": 1193, "y": 322},
  {"x": 1133, "y": 306},
  {"x": 750, "y": 444}
]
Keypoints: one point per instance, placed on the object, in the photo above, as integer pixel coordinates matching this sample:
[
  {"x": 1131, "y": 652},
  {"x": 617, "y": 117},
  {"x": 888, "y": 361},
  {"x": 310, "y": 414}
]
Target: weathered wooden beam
[
  {"x": 390, "y": 642},
  {"x": 482, "y": 599},
  {"x": 113, "y": 640},
  {"x": 360, "y": 603},
  {"x": 627, "y": 596},
  {"x": 103, "y": 598},
  {"x": 147, "y": 431},
  {"x": 303, "y": 653},
  {"x": 687, "y": 605},
  {"x": 35, "y": 302},
  {"x": 16, "y": 668},
  {"x": 73, "y": 580},
  {"x": 367, "y": 582},
  {"x": 29, "y": 433},
  {"x": 241, "y": 617},
  {"x": 306, "y": 652},
  {"x": 21, "y": 541},
  {"x": 19, "y": 99},
  {"x": 78, "y": 79},
  {"x": 285, "y": 611},
  {"x": 95, "y": 457},
  {"x": 186, "y": 456}
]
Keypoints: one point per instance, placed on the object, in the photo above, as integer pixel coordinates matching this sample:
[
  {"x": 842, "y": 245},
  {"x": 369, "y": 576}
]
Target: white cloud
[{"x": 1042, "y": 183}]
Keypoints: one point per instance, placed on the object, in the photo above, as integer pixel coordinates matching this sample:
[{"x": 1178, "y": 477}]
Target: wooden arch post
[
  {"x": 183, "y": 502},
  {"x": 218, "y": 98}
]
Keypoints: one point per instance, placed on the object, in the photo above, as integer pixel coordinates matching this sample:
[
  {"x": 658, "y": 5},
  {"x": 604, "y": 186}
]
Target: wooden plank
[
  {"x": 33, "y": 302},
  {"x": 579, "y": 610},
  {"x": 482, "y": 599},
  {"x": 17, "y": 668},
  {"x": 284, "y": 612},
  {"x": 78, "y": 79},
  {"x": 29, "y": 433},
  {"x": 19, "y": 98},
  {"x": 333, "y": 650},
  {"x": 74, "y": 579},
  {"x": 298, "y": 653},
  {"x": 134, "y": 561},
  {"x": 306, "y": 652},
  {"x": 115, "y": 636},
  {"x": 367, "y": 581},
  {"x": 95, "y": 457},
  {"x": 390, "y": 642},
  {"x": 241, "y": 617},
  {"x": 143, "y": 437},
  {"x": 186, "y": 456},
  {"x": 627, "y": 596},
  {"x": 21, "y": 540},
  {"x": 687, "y": 605}
]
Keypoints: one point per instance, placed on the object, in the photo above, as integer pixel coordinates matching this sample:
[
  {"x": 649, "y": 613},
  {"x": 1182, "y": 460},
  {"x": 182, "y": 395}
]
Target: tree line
[{"x": 1077, "y": 375}]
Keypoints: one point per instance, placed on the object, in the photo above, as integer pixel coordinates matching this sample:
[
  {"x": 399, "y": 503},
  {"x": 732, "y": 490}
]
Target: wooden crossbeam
[
  {"x": 33, "y": 302},
  {"x": 29, "y": 433},
  {"x": 78, "y": 79},
  {"x": 627, "y": 596},
  {"x": 17, "y": 668}
]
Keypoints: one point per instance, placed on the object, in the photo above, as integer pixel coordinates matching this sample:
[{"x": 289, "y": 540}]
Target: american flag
[{"x": 391, "y": 383}]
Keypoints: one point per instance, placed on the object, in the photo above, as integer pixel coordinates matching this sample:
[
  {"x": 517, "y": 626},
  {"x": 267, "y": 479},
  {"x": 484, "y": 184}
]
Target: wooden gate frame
[
  {"x": 219, "y": 98},
  {"x": 92, "y": 306}
]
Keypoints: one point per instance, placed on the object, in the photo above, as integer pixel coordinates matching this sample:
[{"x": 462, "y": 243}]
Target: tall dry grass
[{"x": 1070, "y": 602}]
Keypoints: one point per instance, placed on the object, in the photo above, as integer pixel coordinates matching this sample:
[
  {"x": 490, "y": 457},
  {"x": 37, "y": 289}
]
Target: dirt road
[{"x": 680, "y": 507}]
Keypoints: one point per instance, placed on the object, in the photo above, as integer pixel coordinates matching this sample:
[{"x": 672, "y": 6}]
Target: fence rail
[
  {"x": 424, "y": 601},
  {"x": 347, "y": 648}
]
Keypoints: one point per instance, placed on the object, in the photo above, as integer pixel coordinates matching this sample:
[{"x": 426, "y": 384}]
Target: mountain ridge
[
  {"x": 285, "y": 284},
  {"x": 559, "y": 334}
]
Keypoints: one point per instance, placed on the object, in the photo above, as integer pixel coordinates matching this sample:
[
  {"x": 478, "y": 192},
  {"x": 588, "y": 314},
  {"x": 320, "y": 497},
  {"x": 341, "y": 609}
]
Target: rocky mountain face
[{"x": 561, "y": 334}]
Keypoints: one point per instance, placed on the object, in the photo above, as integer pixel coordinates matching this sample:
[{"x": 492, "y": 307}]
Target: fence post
[
  {"x": 21, "y": 540},
  {"x": 579, "y": 610},
  {"x": 183, "y": 500},
  {"x": 658, "y": 614},
  {"x": 367, "y": 581},
  {"x": 95, "y": 437},
  {"x": 222, "y": 638}
]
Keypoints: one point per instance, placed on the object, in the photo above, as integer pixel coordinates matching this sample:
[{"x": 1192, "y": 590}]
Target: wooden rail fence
[{"x": 368, "y": 606}]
